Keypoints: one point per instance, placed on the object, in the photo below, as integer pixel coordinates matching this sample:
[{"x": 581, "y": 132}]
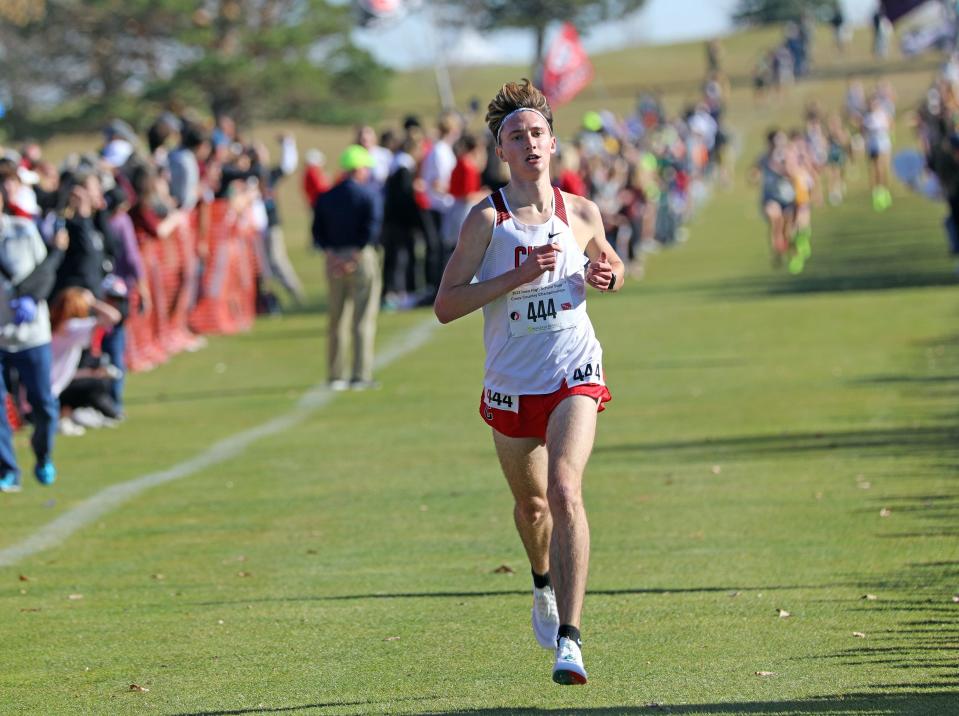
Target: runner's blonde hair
[{"x": 513, "y": 96}]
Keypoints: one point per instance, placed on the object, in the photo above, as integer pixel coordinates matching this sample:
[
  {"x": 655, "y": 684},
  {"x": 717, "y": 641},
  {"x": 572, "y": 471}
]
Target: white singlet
[{"x": 538, "y": 335}]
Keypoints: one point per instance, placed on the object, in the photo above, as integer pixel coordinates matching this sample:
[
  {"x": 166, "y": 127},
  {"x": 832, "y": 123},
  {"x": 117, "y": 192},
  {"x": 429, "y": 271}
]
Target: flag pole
[{"x": 444, "y": 87}]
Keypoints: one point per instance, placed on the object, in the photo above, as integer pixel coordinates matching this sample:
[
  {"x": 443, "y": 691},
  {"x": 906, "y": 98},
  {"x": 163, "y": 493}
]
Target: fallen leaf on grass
[
  {"x": 75, "y": 597},
  {"x": 24, "y": 578},
  {"x": 504, "y": 569},
  {"x": 870, "y": 597},
  {"x": 733, "y": 594},
  {"x": 716, "y": 469},
  {"x": 137, "y": 687},
  {"x": 158, "y": 577},
  {"x": 885, "y": 512},
  {"x": 30, "y": 609},
  {"x": 765, "y": 673},
  {"x": 392, "y": 638},
  {"x": 244, "y": 574},
  {"x": 859, "y": 634},
  {"x": 783, "y": 614},
  {"x": 312, "y": 551}
]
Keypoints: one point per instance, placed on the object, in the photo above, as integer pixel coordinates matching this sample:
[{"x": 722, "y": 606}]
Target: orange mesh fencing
[{"x": 201, "y": 278}]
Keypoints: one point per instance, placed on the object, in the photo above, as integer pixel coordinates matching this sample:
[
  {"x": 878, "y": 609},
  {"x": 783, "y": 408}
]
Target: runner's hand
[
  {"x": 541, "y": 259},
  {"x": 600, "y": 273}
]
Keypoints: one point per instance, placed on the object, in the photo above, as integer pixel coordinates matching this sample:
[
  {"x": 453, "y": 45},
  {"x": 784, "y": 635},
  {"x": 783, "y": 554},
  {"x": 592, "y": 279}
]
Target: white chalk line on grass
[{"x": 108, "y": 499}]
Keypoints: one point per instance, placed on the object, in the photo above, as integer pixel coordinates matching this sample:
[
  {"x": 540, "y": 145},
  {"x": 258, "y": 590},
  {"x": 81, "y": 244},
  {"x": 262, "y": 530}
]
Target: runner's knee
[
  {"x": 532, "y": 510},
  {"x": 564, "y": 497}
]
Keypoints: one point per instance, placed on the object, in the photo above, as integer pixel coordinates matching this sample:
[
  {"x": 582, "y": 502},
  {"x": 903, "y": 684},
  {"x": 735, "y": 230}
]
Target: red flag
[
  {"x": 373, "y": 12},
  {"x": 566, "y": 68}
]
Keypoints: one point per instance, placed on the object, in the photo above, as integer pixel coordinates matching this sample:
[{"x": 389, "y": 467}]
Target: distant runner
[{"x": 545, "y": 379}]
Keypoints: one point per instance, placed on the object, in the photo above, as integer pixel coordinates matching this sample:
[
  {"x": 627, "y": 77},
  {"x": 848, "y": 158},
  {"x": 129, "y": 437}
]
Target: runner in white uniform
[
  {"x": 525, "y": 256},
  {"x": 538, "y": 335}
]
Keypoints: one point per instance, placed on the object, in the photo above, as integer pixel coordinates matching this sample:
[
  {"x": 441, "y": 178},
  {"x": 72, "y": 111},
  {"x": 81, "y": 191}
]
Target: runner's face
[{"x": 526, "y": 143}]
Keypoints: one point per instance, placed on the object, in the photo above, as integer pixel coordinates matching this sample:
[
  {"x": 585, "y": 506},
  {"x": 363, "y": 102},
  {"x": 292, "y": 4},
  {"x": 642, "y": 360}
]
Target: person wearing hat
[{"x": 346, "y": 222}]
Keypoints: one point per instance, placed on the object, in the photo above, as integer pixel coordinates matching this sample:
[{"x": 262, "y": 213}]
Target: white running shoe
[
  {"x": 545, "y": 617},
  {"x": 67, "y": 427},
  {"x": 568, "y": 669},
  {"x": 87, "y": 417}
]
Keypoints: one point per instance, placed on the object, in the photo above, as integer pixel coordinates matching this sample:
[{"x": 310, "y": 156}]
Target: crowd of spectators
[
  {"x": 71, "y": 256},
  {"x": 646, "y": 172}
]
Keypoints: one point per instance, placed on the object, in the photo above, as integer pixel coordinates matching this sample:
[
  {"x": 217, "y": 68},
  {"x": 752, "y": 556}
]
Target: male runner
[{"x": 544, "y": 381}]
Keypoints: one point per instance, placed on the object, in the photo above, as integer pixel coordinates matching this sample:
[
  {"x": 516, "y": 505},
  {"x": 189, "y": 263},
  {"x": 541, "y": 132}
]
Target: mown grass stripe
[{"x": 103, "y": 502}]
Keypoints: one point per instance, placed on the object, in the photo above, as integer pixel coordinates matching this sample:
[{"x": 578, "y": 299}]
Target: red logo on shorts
[
  {"x": 567, "y": 307},
  {"x": 514, "y": 315}
]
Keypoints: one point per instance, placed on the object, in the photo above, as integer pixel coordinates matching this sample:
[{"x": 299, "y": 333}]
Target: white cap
[{"x": 116, "y": 152}]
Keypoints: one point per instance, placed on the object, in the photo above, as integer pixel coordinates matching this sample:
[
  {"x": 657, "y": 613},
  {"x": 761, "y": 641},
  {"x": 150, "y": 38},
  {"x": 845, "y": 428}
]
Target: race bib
[
  {"x": 591, "y": 372},
  {"x": 540, "y": 309},
  {"x": 501, "y": 401}
]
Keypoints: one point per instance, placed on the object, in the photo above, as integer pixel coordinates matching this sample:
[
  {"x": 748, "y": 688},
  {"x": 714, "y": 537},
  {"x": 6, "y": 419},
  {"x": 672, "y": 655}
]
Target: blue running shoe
[
  {"x": 10, "y": 482},
  {"x": 46, "y": 473}
]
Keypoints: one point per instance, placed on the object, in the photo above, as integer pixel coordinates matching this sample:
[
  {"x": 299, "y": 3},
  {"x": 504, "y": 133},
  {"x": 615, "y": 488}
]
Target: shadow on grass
[
  {"x": 899, "y": 250},
  {"x": 932, "y": 439},
  {"x": 924, "y": 700},
  {"x": 920, "y": 703},
  {"x": 377, "y": 705},
  {"x": 510, "y": 593}
]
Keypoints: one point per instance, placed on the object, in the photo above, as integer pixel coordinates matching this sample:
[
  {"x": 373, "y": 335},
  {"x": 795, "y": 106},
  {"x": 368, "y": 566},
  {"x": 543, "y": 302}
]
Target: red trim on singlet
[
  {"x": 559, "y": 207},
  {"x": 502, "y": 213}
]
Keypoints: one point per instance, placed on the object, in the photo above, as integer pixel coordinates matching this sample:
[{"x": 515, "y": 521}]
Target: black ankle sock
[
  {"x": 570, "y": 632},
  {"x": 540, "y": 581}
]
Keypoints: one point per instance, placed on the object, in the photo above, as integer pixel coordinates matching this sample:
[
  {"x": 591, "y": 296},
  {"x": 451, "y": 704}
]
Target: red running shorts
[{"x": 530, "y": 417}]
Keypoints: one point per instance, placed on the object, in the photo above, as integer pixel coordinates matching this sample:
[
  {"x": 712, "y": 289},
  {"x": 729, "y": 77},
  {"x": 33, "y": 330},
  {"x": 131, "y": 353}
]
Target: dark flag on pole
[
  {"x": 566, "y": 68},
  {"x": 895, "y": 9}
]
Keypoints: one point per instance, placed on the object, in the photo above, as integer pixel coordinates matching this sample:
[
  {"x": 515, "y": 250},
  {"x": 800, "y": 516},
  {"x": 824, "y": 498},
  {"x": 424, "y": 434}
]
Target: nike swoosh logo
[{"x": 552, "y": 235}]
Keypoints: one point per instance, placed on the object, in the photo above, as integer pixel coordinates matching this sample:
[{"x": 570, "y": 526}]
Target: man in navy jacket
[{"x": 346, "y": 226}]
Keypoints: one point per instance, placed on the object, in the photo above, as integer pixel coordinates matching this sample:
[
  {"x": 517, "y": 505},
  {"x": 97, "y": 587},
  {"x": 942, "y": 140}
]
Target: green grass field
[{"x": 774, "y": 443}]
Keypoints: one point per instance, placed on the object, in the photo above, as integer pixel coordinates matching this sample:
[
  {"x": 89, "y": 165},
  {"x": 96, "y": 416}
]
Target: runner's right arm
[{"x": 457, "y": 295}]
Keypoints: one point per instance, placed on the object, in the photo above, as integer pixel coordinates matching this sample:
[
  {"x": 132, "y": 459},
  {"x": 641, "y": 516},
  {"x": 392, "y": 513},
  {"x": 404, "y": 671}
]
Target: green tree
[
  {"x": 770, "y": 12},
  {"x": 253, "y": 58},
  {"x": 535, "y": 15}
]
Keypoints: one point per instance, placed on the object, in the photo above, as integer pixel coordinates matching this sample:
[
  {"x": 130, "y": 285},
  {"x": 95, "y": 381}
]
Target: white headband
[{"x": 517, "y": 111}]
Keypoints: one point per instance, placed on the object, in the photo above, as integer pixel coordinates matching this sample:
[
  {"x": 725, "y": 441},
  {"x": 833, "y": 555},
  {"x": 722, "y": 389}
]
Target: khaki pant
[{"x": 354, "y": 306}]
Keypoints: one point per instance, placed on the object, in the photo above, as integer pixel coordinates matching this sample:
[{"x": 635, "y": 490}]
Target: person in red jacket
[
  {"x": 466, "y": 186},
  {"x": 315, "y": 181}
]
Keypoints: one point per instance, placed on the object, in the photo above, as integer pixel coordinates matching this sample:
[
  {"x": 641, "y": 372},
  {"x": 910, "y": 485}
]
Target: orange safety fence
[{"x": 201, "y": 278}]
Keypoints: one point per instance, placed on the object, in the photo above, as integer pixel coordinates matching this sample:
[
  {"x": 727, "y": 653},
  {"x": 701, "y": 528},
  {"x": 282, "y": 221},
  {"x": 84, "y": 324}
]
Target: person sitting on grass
[{"x": 74, "y": 315}]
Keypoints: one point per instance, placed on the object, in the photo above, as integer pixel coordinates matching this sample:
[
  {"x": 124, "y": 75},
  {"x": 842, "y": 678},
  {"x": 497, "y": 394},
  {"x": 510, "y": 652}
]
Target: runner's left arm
[{"x": 604, "y": 263}]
